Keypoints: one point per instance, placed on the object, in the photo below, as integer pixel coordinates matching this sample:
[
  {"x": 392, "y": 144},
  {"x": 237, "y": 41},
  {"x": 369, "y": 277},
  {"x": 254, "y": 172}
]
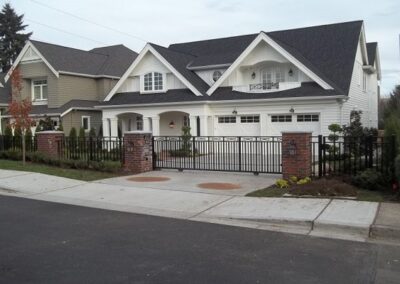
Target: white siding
[
  {"x": 150, "y": 63},
  {"x": 358, "y": 99}
]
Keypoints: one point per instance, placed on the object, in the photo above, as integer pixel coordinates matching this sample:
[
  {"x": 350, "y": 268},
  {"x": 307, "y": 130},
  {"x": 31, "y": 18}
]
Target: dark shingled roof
[
  {"x": 328, "y": 50},
  {"x": 371, "y": 50},
  {"x": 180, "y": 62},
  {"x": 221, "y": 94},
  {"x": 75, "y": 104},
  {"x": 110, "y": 60}
]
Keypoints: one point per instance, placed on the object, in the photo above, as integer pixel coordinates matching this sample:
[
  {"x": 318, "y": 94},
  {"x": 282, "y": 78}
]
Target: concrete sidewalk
[{"x": 343, "y": 219}]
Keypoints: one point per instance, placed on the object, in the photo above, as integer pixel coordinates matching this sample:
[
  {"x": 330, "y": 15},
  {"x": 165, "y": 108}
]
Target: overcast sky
[{"x": 168, "y": 21}]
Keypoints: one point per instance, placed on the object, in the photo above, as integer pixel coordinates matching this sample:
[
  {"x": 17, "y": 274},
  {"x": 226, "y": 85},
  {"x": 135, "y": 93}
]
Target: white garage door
[
  {"x": 294, "y": 122},
  {"x": 241, "y": 125}
]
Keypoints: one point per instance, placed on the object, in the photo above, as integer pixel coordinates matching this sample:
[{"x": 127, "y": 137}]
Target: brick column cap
[
  {"x": 296, "y": 132},
  {"x": 138, "y": 132},
  {"x": 50, "y": 132}
]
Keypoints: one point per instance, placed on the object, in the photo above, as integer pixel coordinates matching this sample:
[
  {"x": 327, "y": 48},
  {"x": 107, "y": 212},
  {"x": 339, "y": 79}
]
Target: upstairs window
[
  {"x": 364, "y": 82},
  {"x": 153, "y": 81},
  {"x": 139, "y": 122},
  {"x": 39, "y": 90}
]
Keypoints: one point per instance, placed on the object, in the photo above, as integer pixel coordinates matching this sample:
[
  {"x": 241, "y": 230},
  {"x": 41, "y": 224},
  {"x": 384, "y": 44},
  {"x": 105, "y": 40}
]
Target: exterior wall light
[
  {"x": 291, "y": 110},
  {"x": 171, "y": 124},
  {"x": 234, "y": 112},
  {"x": 253, "y": 75},
  {"x": 290, "y": 72}
]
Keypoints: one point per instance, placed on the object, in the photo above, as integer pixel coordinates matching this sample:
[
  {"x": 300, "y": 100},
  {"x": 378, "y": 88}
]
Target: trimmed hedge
[{"x": 36, "y": 157}]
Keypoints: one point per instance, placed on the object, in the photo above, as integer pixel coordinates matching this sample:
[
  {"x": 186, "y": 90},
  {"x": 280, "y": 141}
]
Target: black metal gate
[{"x": 258, "y": 154}]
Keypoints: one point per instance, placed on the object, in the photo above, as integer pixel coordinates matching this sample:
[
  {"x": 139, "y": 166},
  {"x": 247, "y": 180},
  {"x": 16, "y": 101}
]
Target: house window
[
  {"x": 307, "y": 117},
  {"x": 281, "y": 118},
  {"x": 139, "y": 123},
  {"x": 153, "y": 81},
  {"x": 364, "y": 83},
  {"x": 39, "y": 90},
  {"x": 86, "y": 123},
  {"x": 227, "y": 119},
  {"x": 250, "y": 119},
  {"x": 216, "y": 75}
]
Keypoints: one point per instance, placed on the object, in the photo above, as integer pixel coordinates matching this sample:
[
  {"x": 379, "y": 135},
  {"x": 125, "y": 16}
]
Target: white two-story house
[{"x": 259, "y": 84}]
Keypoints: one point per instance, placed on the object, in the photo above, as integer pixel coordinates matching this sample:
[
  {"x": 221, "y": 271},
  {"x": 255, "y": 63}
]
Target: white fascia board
[
  {"x": 363, "y": 44},
  {"x": 29, "y": 44},
  {"x": 77, "y": 108},
  {"x": 257, "y": 101},
  {"x": 149, "y": 48},
  {"x": 264, "y": 37},
  {"x": 87, "y": 75},
  {"x": 378, "y": 63},
  {"x": 207, "y": 67}
]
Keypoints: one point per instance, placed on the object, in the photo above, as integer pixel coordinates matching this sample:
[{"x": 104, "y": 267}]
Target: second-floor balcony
[{"x": 266, "y": 87}]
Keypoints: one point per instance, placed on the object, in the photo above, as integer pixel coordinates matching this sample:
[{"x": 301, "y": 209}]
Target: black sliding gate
[{"x": 256, "y": 154}]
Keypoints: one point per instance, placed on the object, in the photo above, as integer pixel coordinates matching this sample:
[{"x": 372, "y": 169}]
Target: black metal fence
[
  {"x": 15, "y": 143},
  {"x": 256, "y": 154},
  {"x": 92, "y": 149},
  {"x": 348, "y": 155}
]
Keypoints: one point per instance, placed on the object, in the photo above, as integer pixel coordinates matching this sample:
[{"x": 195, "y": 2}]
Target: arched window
[{"x": 153, "y": 81}]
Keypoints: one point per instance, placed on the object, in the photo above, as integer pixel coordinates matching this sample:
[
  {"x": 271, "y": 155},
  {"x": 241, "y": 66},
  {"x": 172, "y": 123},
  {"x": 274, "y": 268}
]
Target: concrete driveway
[{"x": 221, "y": 183}]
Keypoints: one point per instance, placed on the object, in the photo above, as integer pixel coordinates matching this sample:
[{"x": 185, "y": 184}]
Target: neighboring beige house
[{"x": 66, "y": 83}]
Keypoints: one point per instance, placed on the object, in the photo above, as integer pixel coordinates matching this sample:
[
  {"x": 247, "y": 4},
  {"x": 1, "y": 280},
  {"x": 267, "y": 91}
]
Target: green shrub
[
  {"x": 92, "y": 132},
  {"x": 281, "y": 183},
  {"x": 304, "y": 181},
  {"x": 369, "y": 179},
  {"x": 82, "y": 133},
  {"x": 293, "y": 179},
  {"x": 180, "y": 153},
  {"x": 72, "y": 133}
]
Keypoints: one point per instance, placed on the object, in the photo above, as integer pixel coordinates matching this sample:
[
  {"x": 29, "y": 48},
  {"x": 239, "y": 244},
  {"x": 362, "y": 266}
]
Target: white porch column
[
  {"x": 156, "y": 125},
  {"x": 114, "y": 126},
  {"x": 193, "y": 125},
  {"x": 106, "y": 127},
  {"x": 203, "y": 125},
  {"x": 146, "y": 124}
]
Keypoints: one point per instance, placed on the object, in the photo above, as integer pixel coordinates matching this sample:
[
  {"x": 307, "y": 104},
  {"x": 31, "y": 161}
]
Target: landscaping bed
[{"x": 329, "y": 187}]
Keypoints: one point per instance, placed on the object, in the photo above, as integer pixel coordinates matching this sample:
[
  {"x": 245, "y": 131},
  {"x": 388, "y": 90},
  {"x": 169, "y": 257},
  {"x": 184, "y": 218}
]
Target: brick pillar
[
  {"x": 138, "y": 152},
  {"x": 296, "y": 154},
  {"x": 48, "y": 142}
]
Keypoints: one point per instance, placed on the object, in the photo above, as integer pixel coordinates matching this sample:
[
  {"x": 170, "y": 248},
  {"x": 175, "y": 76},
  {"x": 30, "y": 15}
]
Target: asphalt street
[{"x": 43, "y": 242}]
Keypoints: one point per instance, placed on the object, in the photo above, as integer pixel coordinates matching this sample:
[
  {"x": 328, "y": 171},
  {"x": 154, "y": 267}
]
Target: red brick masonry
[
  {"x": 47, "y": 142},
  {"x": 138, "y": 152},
  {"x": 296, "y": 154}
]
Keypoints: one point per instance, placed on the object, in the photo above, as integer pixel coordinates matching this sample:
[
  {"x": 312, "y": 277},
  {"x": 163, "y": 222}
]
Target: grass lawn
[{"x": 85, "y": 175}]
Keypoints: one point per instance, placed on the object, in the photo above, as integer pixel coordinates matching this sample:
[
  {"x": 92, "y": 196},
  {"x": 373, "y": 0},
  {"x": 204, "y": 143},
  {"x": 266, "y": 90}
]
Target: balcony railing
[{"x": 266, "y": 87}]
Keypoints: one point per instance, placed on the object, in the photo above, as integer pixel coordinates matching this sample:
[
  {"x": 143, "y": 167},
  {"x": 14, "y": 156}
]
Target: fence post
[
  {"x": 138, "y": 152},
  {"x": 194, "y": 152},
  {"x": 296, "y": 154},
  {"x": 240, "y": 153},
  {"x": 320, "y": 155},
  {"x": 48, "y": 143}
]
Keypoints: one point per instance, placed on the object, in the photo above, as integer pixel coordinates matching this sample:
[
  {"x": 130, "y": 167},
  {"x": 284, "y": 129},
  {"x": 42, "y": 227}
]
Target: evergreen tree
[
  {"x": 81, "y": 133},
  {"x": 72, "y": 133},
  {"x": 92, "y": 132},
  {"x": 12, "y": 40},
  {"x": 8, "y": 136},
  {"x": 28, "y": 140}
]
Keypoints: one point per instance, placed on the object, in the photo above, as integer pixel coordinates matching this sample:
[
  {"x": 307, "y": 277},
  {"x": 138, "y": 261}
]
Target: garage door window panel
[
  {"x": 281, "y": 118},
  {"x": 307, "y": 118},
  {"x": 227, "y": 119}
]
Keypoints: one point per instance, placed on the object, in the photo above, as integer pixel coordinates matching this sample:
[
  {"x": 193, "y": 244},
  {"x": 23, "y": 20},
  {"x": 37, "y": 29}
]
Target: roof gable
[{"x": 371, "y": 50}]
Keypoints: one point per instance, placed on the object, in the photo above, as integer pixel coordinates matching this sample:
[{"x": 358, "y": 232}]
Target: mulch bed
[
  {"x": 219, "y": 185},
  {"x": 324, "y": 187}
]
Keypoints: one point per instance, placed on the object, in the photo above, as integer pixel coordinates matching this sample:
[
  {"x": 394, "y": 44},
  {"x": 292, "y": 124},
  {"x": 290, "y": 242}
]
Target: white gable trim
[
  {"x": 263, "y": 37},
  {"x": 149, "y": 48},
  {"x": 29, "y": 44}
]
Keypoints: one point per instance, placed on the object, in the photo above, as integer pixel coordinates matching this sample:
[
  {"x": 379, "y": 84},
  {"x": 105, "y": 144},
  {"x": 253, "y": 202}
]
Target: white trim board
[
  {"x": 149, "y": 48},
  {"x": 264, "y": 37}
]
